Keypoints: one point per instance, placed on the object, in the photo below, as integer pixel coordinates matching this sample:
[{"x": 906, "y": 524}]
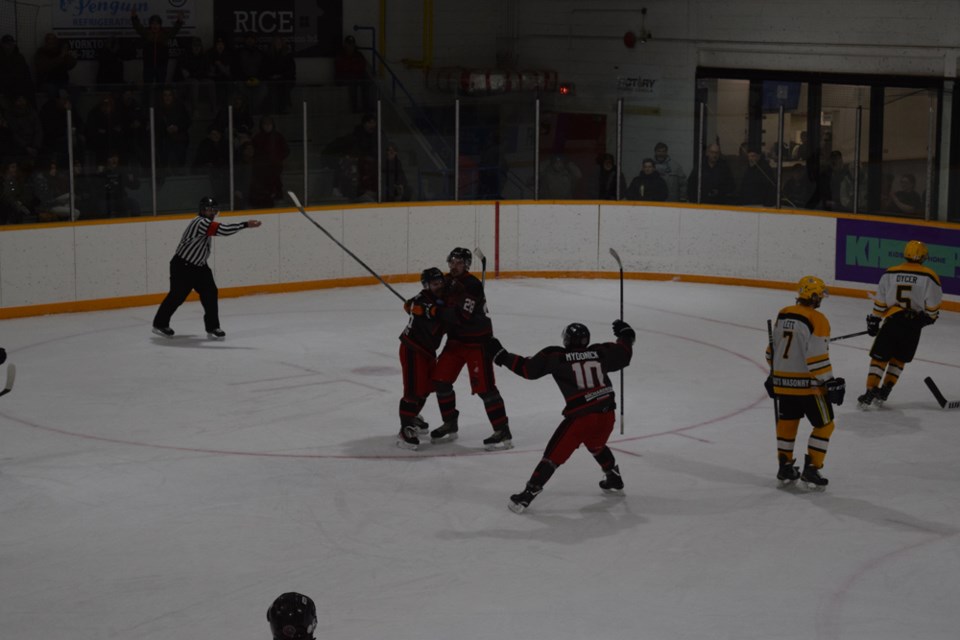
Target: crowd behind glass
[{"x": 231, "y": 122}]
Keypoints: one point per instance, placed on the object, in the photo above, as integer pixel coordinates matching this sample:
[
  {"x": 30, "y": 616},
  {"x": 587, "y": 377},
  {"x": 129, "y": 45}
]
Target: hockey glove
[
  {"x": 768, "y": 385},
  {"x": 3, "y": 355},
  {"x": 494, "y": 350},
  {"x": 624, "y": 332},
  {"x": 925, "y": 321},
  {"x": 424, "y": 309},
  {"x": 873, "y": 325},
  {"x": 836, "y": 389}
]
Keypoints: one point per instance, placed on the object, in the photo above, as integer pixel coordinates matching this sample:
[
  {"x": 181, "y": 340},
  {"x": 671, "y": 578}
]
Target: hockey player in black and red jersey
[
  {"x": 908, "y": 299},
  {"x": 468, "y": 330},
  {"x": 802, "y": 382},
  {"x": 418, "y": 354},
  {"x": 580, "y": 370},
  {"x": 292, "y": 616}
]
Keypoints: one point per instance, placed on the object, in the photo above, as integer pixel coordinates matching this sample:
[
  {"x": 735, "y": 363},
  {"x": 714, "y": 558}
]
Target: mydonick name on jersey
[{"x": 582, "y": 355}]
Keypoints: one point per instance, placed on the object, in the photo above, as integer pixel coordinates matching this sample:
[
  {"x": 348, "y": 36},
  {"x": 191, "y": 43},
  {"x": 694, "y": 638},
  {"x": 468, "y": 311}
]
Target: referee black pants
[{"x": 184, "y": 278}]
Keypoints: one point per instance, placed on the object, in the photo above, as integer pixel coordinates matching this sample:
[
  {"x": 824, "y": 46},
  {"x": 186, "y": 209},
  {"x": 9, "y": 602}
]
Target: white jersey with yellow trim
[
  {"x": 908, "y": 286},
  {"x": 801, "y": 358}
]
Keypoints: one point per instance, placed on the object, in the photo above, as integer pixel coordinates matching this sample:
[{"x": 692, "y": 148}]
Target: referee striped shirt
[{"x": 197, "y": 240}]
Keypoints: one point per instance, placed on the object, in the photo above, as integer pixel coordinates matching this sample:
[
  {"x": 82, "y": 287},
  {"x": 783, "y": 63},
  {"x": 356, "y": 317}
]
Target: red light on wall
[{"x": 567, "y": 89}]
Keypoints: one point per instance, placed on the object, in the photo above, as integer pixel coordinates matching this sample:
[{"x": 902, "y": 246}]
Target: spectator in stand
[
  {"x": 907, "y": 201},
  {"x": 26, "y": 129},
  {"x": 559, "y": 179},
  {"x": 53, "y": 62},
  {"x": 51, "y": 192},
  {"x": 281, "y": 73},
  {"x": 607, "y": 179},
  {"x": 15, "y": 72},
  {"x": 353, "y": 158},
  {"x": 156, "y": 46},
  {"x": 649, "y": 185},
  {"x": 86, "y": 192},
  {"x": 242, "y": 120},
  {"x": 105, "y": 129},
  {"x": 836, "y": 184},
  {"x": 799, "y": 192},
  {"x": 173, "y": 128},
  {"x": 13, "y": 210},
  {"x": 244, "y": 184},
  {"x": 716, "y": 185},
  {"x": 271, "y": 150},
  {"x": 53, "y": 119},
  {"x": 758, "y": 185},
  {"x": 395, "y": 185},
  {"x": 135, "y": 142},
  {"x": 350, "y": 70},
  {"x": 248, "y": 70},
  {"x": 110, "y": 59},
  {"x": 213, "y": 160},
  {"x": 6, "y": 138},
  {"x": 219, "y": 60},
  {"x": 115, "y": 180},
  {"x": 671, "y": 172},
  {"x": 193, "y": 70}
]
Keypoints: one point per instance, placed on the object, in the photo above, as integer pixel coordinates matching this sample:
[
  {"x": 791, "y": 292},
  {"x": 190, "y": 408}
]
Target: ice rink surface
[{"x": 170, "y": 489}]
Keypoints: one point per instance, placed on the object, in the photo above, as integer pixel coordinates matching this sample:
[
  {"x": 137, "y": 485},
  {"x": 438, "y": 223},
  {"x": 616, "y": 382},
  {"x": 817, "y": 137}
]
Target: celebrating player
[
  {"x": 189, "y": 270},
  {"x": 802, "y": 382},
  {"x": 908, "y": 299},
  {"x": 580, "y": 370},
  {"x": 418, "y": 355},
  {"x": 468, "y": 329}
]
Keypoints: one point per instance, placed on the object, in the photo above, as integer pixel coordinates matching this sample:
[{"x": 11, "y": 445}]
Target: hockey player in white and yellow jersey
[
  {"x": 802, "y": 382},
  {"x": 908, "y": 299}
]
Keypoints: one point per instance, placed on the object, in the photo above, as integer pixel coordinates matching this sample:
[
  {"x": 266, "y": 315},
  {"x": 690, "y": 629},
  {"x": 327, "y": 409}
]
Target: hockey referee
[{"x": 189, "y": 270}]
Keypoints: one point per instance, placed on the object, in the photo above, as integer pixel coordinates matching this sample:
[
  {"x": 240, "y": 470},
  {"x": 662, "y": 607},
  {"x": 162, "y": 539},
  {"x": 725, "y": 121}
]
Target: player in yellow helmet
[
  {"x": 802, "y": 382},
  {"x": 908, "y": 299}
]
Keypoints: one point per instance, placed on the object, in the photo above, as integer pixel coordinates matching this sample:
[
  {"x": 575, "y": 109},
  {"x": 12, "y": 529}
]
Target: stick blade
[
  {"x": 616, "y": 256},
  {"x": 293, "y": 198},
  {"x": 941, "y": 400},
  {"x": 477, "y": 252},
  {"x": 11, "y": 377}
]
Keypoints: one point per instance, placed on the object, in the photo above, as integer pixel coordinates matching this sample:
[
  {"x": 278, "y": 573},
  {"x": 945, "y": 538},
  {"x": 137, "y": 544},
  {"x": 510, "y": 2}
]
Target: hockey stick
[
  {"x": 776, "y": 405},
  {"x": 849, "y": 335},
  {"x": 483, "y": 263},
  {"x": 296, "y": 203},
  {"x": 616, "y": 257},
  {"x": 11, "y": 376},
  {"x": 941, "y": 400}
]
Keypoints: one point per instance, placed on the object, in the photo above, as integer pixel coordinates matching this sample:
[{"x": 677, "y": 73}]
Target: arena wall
[{"x": 109, "y": 264}]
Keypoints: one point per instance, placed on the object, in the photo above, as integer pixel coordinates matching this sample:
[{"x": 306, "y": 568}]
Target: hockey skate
[
  {"x": 447, "y": 432},
  {"x": 216, "y": 334},
  {"x": 612, "y": 483},
  {"x": 407, "y": 438},
  {"x": 812, "y": 478},
  {"x": 788, "y": 473},
  {"x": 520, "y": 501},
  {"x": 867, "y": 398},
  {"x": 882, "y": 393},
  {"x": 166, "y": 332},
  {"x": 500, "y": 440},
  {"x": 422, "y": 425}
]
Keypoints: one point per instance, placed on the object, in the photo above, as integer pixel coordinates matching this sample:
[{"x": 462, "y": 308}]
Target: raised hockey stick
[
  {"x": 296, "y": 203},
  {"x": 849, "y": 335},
  {"x": 941, "y": 400},
  {"x": 11, "y": 376},
  {"x": 483, "y": 264},
  {"x": 616, "y": 257},
  {"x": 776, "y": 406}
]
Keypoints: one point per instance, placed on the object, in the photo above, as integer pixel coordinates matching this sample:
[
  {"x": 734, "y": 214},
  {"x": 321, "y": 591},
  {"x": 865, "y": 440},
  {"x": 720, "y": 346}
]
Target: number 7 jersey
[{"x": 801, "y": 358}]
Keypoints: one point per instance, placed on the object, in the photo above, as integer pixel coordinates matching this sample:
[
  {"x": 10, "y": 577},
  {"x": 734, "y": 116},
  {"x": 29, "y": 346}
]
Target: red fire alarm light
[{"x": 567, "y": 89}]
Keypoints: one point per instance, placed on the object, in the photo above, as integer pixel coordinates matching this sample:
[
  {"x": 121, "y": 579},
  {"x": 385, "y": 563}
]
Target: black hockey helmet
[
  {"x": 206, "y": 204},
  {"x": 460, "y": 253},
  {"x": 576, "y": 336},
  {"x": 429, "y": 275},
  {"x": 292, "y": 616}
]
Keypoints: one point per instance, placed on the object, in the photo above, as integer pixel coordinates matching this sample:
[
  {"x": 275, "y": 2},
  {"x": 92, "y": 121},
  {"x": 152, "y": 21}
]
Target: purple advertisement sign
[{"x": 865, "y": 249}]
